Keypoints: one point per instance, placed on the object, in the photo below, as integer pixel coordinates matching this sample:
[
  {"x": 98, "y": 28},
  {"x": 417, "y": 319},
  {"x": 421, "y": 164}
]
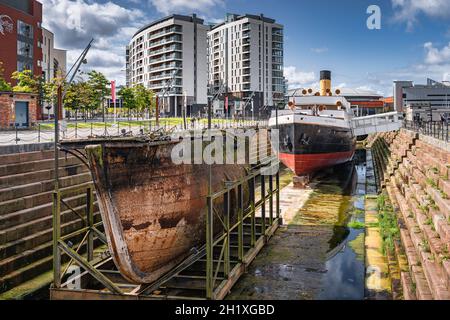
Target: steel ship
[
  {"x": 315, "y": 130},
  {"x": 154, "y": 210}
]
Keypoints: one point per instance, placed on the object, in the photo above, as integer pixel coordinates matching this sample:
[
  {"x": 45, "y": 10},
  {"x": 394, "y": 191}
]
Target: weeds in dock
[
  {"x": 356, "y": 224},
  {"x": 387, "y": 221}
]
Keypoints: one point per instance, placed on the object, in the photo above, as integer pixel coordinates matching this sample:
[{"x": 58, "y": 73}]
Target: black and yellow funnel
[{"x": 325, "y": 82}]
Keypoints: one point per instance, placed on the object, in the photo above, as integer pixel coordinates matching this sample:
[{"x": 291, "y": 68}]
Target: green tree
[
  {"x": 80, "y": 96},
  {"x": 143, "y": 99},
  {"x": 50, "y": 89},
  {"x": 26, "y": 82},
  {"x": 128, "y": 99},
  {"x": 100, "y": 89},
  {"x": 4, "y": 86}
]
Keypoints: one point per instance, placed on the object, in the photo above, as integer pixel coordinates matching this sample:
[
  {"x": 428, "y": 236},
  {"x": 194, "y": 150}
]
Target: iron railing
[{"x": 435, "y": 129}]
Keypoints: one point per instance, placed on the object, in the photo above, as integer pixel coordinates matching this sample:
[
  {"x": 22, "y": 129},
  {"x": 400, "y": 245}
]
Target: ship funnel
[{"x": 325, "y": 82}]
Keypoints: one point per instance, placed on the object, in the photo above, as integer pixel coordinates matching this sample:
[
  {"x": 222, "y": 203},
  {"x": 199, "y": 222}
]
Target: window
[
  {"x": 23, "y": 65},
  {"x": 24, "y": 49},
  {"x": 24, "y": 29}
]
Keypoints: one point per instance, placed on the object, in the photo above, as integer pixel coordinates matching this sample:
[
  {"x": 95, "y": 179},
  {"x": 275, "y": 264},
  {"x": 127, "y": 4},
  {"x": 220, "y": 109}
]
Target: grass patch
[
  {"x": 356, "y": 224},
  {"x": 387, "y": 220}
]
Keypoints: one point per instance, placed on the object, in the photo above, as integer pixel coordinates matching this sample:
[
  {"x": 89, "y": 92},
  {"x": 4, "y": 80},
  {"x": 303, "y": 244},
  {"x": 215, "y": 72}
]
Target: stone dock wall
[{"x": 414, "y": 171}]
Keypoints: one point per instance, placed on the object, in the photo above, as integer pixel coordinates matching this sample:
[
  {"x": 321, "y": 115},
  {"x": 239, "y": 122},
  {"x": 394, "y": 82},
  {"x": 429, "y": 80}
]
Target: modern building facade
[
  {"x": 54, "y": 60},
  {"x": 20, "y": 36},
  {"x": 245, "y": 60},
  {"x": 54, "y": 63},
  {"x": 428, "y": 102},
  {"x": 172, "y": 51}
]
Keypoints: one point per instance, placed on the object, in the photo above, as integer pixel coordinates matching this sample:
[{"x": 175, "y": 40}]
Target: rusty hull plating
[{"x": 153, "y": 211}]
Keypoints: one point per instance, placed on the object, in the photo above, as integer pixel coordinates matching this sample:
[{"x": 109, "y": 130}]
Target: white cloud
[
  {"x": 409, "y": 10},
  {"x": 186, "y": 6},
  {"x": 297, "y": 78},
  {"x": 435, "y": 55},
  {"x": 319, "y": 50},
  {"x": 74, "y": 23}
]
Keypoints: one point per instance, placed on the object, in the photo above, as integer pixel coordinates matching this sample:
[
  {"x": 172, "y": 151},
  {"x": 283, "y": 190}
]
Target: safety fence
[
  {"x": 45, "y": 132},
  {"x": 435, "y": 129}
]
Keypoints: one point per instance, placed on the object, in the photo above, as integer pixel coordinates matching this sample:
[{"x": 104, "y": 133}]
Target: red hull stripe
[{"x": 303, "y": 164}]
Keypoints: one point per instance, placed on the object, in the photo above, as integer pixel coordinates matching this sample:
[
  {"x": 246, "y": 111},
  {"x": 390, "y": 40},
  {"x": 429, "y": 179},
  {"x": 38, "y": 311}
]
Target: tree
[
  {"x": 4, "y": 86},
  {"x": 50, "y": 89},
  {"x": 128, "y": 98},
  {"x": 99, "y": 84},
  {"x": 26, "y": 82},
  {"x": 143, "y": 98},
  {"x": 80, "y": 96}
]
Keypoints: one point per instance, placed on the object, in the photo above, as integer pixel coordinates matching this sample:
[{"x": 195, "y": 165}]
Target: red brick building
[
  {"x": 20, "y": 36},
  {"x": 18, "y": 110}
]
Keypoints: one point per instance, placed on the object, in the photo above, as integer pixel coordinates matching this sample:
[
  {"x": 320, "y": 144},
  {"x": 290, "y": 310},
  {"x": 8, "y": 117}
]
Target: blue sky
[{"x": 413, "y": 43}]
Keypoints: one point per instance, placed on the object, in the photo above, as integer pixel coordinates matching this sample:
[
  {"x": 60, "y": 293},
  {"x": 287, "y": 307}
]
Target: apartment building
[
  {"x": 54, "y": 62},
  {"x": 20, "y": 36},
  {"x": 245, "y": 60},
  {"x": 171, "y": 50}
]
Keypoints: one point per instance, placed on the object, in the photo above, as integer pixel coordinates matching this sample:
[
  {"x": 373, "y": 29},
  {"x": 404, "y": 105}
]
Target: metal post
[
  {"x": 226, "y": 211},
  {"x": 209, "y": 249},
  {"x": 271, "y": 200},
  {"x": 277, "y": 185},
  {"x": 240, "y": 223},
  {"x": 209, "y": 114},
  {"x": 263, "y": 208},
  {"x": 56, "y": 236},
  {"x": 57, "y": 201},
  {"x": 252, "y": 208},
  {"x": 90, "y": 219}
]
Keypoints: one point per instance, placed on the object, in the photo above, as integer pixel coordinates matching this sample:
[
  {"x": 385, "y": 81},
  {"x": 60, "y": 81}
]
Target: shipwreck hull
[{"x": 153, "y": 211}]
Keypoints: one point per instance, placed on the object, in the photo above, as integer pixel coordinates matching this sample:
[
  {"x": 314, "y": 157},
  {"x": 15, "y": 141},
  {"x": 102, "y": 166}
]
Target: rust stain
[
  {"x": 169, "y": 222},
  {"x": 127, "y": 224},
  {"x": 142, "y": 226}
]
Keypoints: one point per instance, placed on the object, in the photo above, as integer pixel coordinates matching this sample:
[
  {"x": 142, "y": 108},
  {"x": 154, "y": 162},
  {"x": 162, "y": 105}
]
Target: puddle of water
[{"x": 317, "y": 256}]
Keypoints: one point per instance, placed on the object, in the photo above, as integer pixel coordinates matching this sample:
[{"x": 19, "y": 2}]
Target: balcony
[
  {"x": 174, "y": 56},
  {"x": 158, "y": 34},
  {"x": 277, "y": 39},
  {"x": 246, "y": 27},
  {"x": 245, "y": 34},
  {"x": 166, "y": 66},
  {"x": 164, "y": 41},
  {"x": 246, "y": 57},
  {"x": 246, "y": 87},
  {"x": 168, "y": 49},
  {"x": 246, "y": 79}
]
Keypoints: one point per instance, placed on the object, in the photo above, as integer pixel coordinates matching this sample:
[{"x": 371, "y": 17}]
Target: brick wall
[{"x": 7, "y": 108}]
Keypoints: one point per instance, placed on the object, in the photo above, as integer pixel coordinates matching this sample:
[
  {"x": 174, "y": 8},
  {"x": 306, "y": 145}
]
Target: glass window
[
  {"x": 24, "y": 49},
  {"x": 24, "y": 29},
  {"x": 23, "y": 65}
]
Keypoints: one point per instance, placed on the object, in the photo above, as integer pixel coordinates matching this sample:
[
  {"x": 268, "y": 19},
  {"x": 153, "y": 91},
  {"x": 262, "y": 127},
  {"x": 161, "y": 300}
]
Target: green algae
[{"x": 357, "y": 246}]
